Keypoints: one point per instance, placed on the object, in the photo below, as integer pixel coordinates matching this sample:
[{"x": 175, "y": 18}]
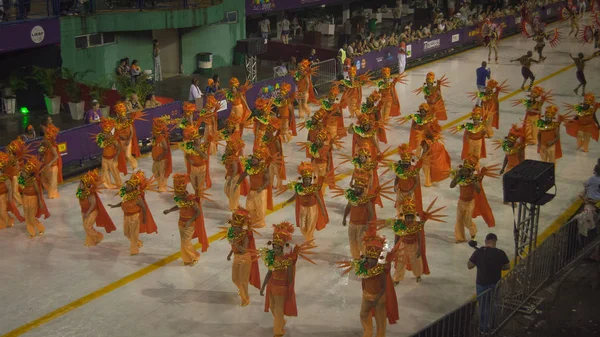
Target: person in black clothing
[{"x": 490, "y": 262}]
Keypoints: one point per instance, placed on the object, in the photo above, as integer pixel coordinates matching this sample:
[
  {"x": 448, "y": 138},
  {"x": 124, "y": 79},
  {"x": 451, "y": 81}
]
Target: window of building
[{"x": 94, "y": 40}]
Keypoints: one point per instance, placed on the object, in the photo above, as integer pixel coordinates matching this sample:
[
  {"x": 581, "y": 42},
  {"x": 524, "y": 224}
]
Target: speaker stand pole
[
  {"x": 526, "y": 229},
  {"x": 251, "y": 69}
]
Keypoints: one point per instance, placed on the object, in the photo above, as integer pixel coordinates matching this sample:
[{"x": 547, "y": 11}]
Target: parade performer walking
[
  {"x": 284, "y": 101},
  {"x": 389, "y": 104},
  {"x": 280, "y": 257},
  {"x": 407, "y": 183},
  {"x": 51, "y": 170},
  {"x": 533, "y": 112},
  {"x": 311, "y": 213},
  {"x": 472, "y": 201},
  {"x": 305, "y": 93},
  {"x": 7, "y": 203},
  {"x": 320, "y": 153},
  {"x": 208, "y": 116},
  {"x": 432, "y": 90},
  {"x": 491, "y": 35},
  {"x": 401, "y": 56},
  {"x": 549, "y": 136},
  {"x": 233, "y": 170},
  {"x": 364, "y": 134},
  {"x": 379, "y": 299},
  {"x": 125, "y": 131},
  {"x": 490, "y": 104},
  {"x": 111, "y": 149},
  {"x": 16, "y": 151},
  {"x": 352, "y": 96},
  {"x": 197, "y": 159},
  {"x": 244, "y": 268},
  {"x": 361, "y": 210},
  {"x": 92, "y": 209},
  {"x": 187, "y": 117},
  {"x": 536, "y": 31},
  {"x": 473, "y": 136},
  {"x": 240, "y": 111},
  {"x": 191, "y": 220},
  {"x": 436, "y": 163},
  {"x": 410, "y": 238},
  {"x": 266, "y": 124},
  {"x": 315, "y": 125},
  {"x": 334, "y": 119},
  {"x": 162, "y": 165},
  {"x": 260, "y": 196},
  {"x": 584, "y": 125},
  {"x": 420, "y": 122},
  {"x": 137, "y": 216},
  {"x": 34, "y": 206},
  {"x": 525, "y": 62},
  {"x": 513, "y": 147},
  {"x": 372, "y": 110},
  {"x": 580, "y": 64}
]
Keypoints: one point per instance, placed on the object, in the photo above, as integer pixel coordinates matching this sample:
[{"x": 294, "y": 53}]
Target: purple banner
[
  {"x": 29, "y": 34},
  {"x": 254, "y": 7}
]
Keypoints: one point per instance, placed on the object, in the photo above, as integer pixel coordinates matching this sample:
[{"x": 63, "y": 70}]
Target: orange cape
[
  {"x": 59, "y": 162},
  {"x": 44, "y": 209},
  {"x": 483, "y": 209},
  {"x": 207, "y": 180},
  {"x": 150, "y": 226},
  {"x": 439, "y": 162},
  {"x": 322, "y": 220},
  {"x": 135, "y": 147},
  {"x": 289, "y": 307},
  {"x": 574, "y": 126},
  {"x": 103, "y": 219},
  {"x": 244, "y": 186},
  {"x": 465, "y": 148},
  {"x": 200, "y": 230},
  {"x": 254, "y": 270},
  {"x": 11, "y": 207},
  {"x": 438, "y": 108}
]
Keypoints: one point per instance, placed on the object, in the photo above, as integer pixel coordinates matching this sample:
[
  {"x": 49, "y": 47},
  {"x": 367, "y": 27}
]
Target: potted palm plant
[
  {"x": 73, "y": 89},
  {"x": 46, "y": 78},
  {"x": 10, "y": 88}
]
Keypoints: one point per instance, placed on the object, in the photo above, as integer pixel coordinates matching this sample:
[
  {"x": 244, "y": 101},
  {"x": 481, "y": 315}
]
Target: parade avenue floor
[{"x": 54, "y": 286}]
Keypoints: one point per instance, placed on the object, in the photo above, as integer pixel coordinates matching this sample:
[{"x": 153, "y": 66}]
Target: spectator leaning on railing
[{"x": 490, "y": 262}]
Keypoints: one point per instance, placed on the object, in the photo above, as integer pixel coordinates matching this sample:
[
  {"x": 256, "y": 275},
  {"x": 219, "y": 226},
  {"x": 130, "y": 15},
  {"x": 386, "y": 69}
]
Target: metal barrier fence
[
  {"x": 490, "y": 312},
  {"x": 326, "y": 72}
]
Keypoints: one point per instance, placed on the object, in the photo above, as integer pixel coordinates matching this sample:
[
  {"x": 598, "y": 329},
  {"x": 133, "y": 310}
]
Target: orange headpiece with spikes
[
  {"x": 589, "y": 98},
  {"x": 322, "y": 136},
  {"x": 361, "y": 179},
  {"x": 405, "y": 153},
  {"x": 430, "y": 77},
  {"x": 121, "y": 109},
  {"x": 190, "y": 133},
  {"x": 189, "y": 108},
  {"x": 334, "y": 92},
  {"x": 107, "y": 124},
  {"x": 374, "y": 97},
  {"x": 515, "y": 133},
  {"x": 3, "y": 160},
  {"x": 477, "y": 113},
  {"x": 471, "y": 162},
  {"x": 364, "y": 151},
  {"x": 536, "y": 91},
  {"x": 352, "y": 71},
  {"x": 240, "y": 217},
  {"x": 16, "y": 147},
  {"x": 32, "y": 165},
  {"x": 159, "y": 125},
  {"x": 234, "y": 82},
  {"x": 409, "y": 207},
  {"x": 363, "y": 119},
  {"x": 373, "y": 243},
  {"x": 424, "y": 107},
  {"x": 386, "y": 72},
  {"x": 261, "y": 153},
  {"x": 305, "y": 170},
  {"x": 51, "y": 133},
  {"x": 491, "y": 84},
  {"x": 282, "y": 233},
  {"x": 262, "y": 104},
  {"x": 91, "y": 178},
  {"x": 551, "y": 111},
  {"x": 286, "y": 88},
  {"x": 211, "y": 102},
  {"x": 180, "y": 181},
  {"x": 136, "y": 179},
  {"x": 304, "y": 65}
]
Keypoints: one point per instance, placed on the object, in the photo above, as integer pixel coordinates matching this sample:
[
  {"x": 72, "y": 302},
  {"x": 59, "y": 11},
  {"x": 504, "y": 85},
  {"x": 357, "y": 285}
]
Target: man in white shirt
[
  {"x": 401, "y": 56},
  {"x": 195, "y": 95},
  {"x": 285, "y": 30},
  {"x": 265, "y": 28}
]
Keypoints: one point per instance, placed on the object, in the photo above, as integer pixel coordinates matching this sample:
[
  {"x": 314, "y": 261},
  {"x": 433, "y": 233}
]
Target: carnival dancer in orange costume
[
  {"x": 584, "y": 125},
  {"x": 320, "y": 153},
  {"x": 137, "y": 216},
  {"x": 197, "y": 157},
  {"x": 191, "y": 220},
  {"x": 420, "y": 122},
  {"x": 244, "y": 269},
  {"x": 472, "y": 201},
  {"x": 285, "y": 112},
  {"x": 315, "y": 125},
  {"x": 432, "y": 90},
  {"x": 364, "y": 134},
  {"x": 364, "y": 163},
  {"x": 311, "y": 213},
  {"x": 379, "y": 299},
  {"x": 267, "y": 134},
  {"x": 233, "y": 170},
  {"x": 34, "y": 205},
  {"x": 16, "y": 151},
  {"x": 490, "y": 104},
  {"x": 92, "y": 209},
  {"x": 407, "y": 183},
  {"x": 514, "y": 148},
  {"x": 51, "y": 170},
  {"x": 334, "y": 120},
  {"x": 187, "y": 117},
  {"x": 372, "y": 111},
  {"x": 111, "y": 149},
  {"x": 239, "y": 106},
  {"x": 549, "y": 136},
  {"x": 266, "y": 123},
  {"x": 361, "y": 209},
  {"x": 260, "y": 196},
  {"x": 162, "y": 165},
  {"x": 280, "y": 258},
  {"x": 473, "y": 136},
  {"x": 533, "y": 112},
  {"x": 125, "y": 131},
  {"x": 208, "y": 116},
  {"x": 410, "y": 238},
  {"x": 352, "y": 96},
  {"x": 7, "y": 203},
  {"x": 389, "y": 104},
  {"x": 306, "y": 93},
  {"x": 436, "y": 160}
]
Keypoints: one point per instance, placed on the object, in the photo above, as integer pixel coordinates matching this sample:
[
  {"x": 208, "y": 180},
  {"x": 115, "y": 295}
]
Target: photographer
[{"x": 490, "y": 262}]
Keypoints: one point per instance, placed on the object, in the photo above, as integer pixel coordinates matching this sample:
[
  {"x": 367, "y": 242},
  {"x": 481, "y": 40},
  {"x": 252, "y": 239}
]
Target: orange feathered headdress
[
  {"x": 589, "y": 98},
  {"x": 374, "y": 97},
  {"x": 470, "y": 162},
  {"x": 304, "y": 65},
  {"x": 180, "y": 181},
  {"x": 190, "y": 133},
  {"x": 32, "y": 165},
  {"x": 409, "y": 207},
  {"x": 159, "y": 125},
  {"x": 491, "y": 84},
  {"x": 352, "y": 71},
  {"x": 305, "y": 170},
  {"x": 363, "y": 150},
  {"x": 211, "y": 103},
  {"x": 361, "y": 179},
  {"x": 536, "y": 91},
  {"x": 476, "y": 113},
  {"x": 373, "y": 243},
  {"x": 189, "y": 108},
  {"x": 386, "y": 72},
  {"x": 121, "y": 109},
  {"x": 107, "y": 124},
  {"x": 334, "y": 91},
  {"x": 136, "y": 179},
  {"x": 262, "y": 104},
  {"x": 405, "y": 153},
  {"x": 234, "y": 82},
  {"x": 515, "y": 133},
  {"x": 16, "y": 147},
  {"x": 285, "y": 88},
  {"x": 282, "y": 233},
  {"x": 261, "y": 153},
  {"x": 423, "y": 107},
  {"x": 91, "y": 178},
  {"x": 430, "y": 77},
  {"x": 551, "y": 111},
  {"x": 240, "y": 217}
]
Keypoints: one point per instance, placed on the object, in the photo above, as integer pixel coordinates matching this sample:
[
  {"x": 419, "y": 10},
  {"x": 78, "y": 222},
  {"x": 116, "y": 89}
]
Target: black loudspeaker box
[{"x": 528, "y": 182}]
